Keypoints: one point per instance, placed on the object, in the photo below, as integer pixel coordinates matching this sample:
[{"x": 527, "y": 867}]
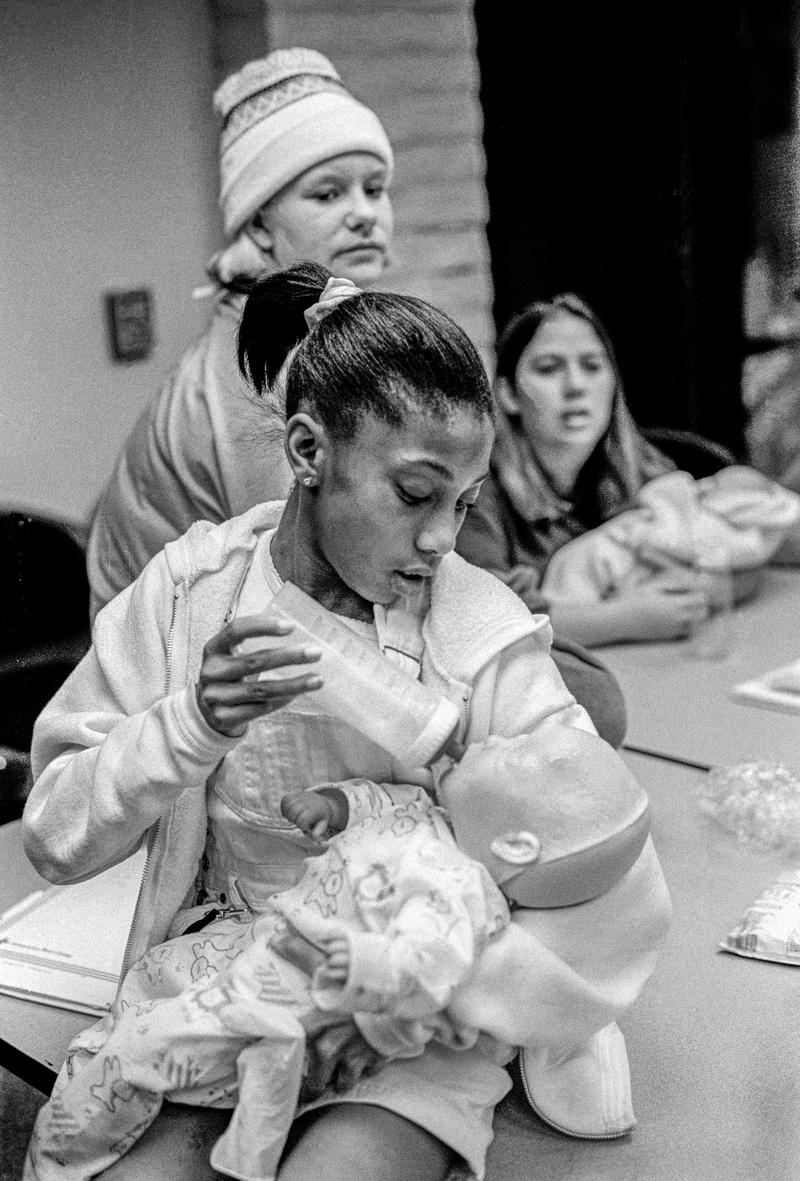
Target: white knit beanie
[{"x": 282, "y": 115}]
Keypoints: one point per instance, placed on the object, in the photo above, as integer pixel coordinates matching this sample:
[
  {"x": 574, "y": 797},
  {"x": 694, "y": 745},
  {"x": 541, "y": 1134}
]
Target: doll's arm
[
  {"x": 334, "y": 806},
  {"x": 316, "y": 811},
  {"x": 411, "y": 967}
]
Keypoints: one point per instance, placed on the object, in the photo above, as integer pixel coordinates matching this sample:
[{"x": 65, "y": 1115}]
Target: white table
[
  {"x": 678, "y": 705},
  {"x": 33, "y": 1037},
  {"x": 714, "y": 1041}
]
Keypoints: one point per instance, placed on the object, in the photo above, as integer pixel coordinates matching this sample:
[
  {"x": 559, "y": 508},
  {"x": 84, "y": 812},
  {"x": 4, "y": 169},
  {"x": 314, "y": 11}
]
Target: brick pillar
[
  {"x": 239, "y": 34},
  {"x": 414, "y": 63}
]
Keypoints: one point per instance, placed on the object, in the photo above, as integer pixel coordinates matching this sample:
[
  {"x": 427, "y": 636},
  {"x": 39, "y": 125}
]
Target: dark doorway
[{"x": 618, "y": 142}]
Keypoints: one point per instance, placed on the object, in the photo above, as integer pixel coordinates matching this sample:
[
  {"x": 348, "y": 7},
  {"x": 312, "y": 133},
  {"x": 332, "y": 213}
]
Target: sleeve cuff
[
  {"x": 200, "y": 739},
  {"x": 367, "y": 800}
]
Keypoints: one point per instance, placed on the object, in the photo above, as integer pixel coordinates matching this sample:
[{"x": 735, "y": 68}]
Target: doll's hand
[
  {"x": 312, "y": 812},
  {"x": 333, "y": 973},
  {"x": 329, "y": 957}
]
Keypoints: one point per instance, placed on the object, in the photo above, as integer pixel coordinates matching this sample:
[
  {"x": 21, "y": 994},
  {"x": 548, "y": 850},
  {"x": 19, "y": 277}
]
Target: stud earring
[{"x": 309, "y": 481}]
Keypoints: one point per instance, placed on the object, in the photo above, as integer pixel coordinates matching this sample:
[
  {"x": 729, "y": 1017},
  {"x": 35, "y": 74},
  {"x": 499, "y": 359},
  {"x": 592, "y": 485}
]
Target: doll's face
[{"x": 555, "y": 817}]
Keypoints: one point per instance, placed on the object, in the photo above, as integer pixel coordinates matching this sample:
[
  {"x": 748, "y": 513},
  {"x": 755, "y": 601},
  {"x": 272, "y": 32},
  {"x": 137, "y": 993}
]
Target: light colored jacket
[
  {"x": 203, "y": 449},
  {"x": 122, "y": 754}
]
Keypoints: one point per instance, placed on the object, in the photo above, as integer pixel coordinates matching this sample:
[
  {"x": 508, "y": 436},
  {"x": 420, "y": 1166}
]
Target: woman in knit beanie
[
  {"x": 282, "y": 117},
  {"x": 304, "y": 174}
]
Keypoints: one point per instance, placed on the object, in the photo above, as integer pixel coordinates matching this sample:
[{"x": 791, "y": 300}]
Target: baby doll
[
  {"x": 401, "y": 913},
  {"x": 737, "y": 517}
]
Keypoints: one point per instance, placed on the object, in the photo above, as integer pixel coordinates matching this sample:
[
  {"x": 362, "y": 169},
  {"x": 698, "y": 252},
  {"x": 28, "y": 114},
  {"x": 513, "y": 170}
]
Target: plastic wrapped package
[
  {"x": 770, "y": 928},
  {"x": 759, "y": 802}
]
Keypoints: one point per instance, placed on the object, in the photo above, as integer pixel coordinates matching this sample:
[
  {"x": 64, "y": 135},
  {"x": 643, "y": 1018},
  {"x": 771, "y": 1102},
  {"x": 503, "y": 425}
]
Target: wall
[
  {"x": 413, "y": 62},
  {"x": 109, "y": 181},
  {"x": 108, "y": 145}
]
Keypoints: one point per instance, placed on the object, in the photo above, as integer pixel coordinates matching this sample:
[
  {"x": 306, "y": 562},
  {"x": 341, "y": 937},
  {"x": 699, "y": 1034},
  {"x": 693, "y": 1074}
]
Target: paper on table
[
  {"x": 778, "y": 689},
  {"x": 63, "y": 946}
]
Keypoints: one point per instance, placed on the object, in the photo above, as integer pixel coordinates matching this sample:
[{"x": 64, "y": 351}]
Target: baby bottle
[
  {"x": 712, "y": 637},
  {"x": 400, "y": 714}
]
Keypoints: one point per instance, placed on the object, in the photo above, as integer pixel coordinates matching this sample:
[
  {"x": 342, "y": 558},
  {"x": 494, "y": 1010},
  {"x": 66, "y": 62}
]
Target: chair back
[
  {"x": 44, "y": 632},
  {"x": 44, "y": 590},
  {"x": 691, "y": 452}
]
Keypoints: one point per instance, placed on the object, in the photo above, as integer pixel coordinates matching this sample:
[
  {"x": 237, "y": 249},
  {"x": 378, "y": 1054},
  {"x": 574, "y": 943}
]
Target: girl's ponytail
[
  {"x": 368, "y": 352},
  {"x": 273, "y": 320}
]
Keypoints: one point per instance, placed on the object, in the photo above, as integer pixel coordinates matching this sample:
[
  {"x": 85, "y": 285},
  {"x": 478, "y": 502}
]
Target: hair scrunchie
[{"x": 334, "y": 291}]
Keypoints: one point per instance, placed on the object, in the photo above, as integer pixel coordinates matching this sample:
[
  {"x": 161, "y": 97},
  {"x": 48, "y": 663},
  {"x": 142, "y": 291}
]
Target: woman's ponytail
[{"x": 273, "y": 320}]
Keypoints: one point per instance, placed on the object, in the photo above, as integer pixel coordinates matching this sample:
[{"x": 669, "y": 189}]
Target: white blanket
[{"x": 737, "y": 516}]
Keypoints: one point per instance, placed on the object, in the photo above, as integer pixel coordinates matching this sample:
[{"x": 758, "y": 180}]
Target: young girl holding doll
[
  {"x": 568, "y": 459},
  {"x": 166, "y": 734}
]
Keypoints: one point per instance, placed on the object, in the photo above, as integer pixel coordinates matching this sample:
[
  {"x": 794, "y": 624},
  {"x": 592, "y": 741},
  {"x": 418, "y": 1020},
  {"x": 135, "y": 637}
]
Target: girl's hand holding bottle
[{"x": 230, "y": 693}]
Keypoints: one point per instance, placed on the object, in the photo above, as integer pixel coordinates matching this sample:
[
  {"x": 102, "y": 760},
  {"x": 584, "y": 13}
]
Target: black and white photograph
[{"x": 399, "y": 590}]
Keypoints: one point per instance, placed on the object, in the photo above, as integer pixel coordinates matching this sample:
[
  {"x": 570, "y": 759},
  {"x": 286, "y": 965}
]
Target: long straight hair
[{"x": 623, "y": 461}]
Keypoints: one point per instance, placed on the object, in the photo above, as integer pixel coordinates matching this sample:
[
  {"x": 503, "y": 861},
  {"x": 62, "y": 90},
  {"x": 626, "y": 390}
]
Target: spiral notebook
[
  {"x": 64, "y": 945},
  {"x": 778, "y": 689}
]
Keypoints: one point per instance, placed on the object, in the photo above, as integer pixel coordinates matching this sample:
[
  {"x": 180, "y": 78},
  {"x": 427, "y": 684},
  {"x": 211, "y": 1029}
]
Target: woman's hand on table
[
  {"x": 662, "y": 607},
  {"x": 230, "y": 694},
  {"x": 666, "y": 608}
]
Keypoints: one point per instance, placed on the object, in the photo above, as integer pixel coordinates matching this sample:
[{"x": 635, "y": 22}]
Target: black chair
[
  {"x": 703, "y": 457},
  {"x": 691, "y": 452},
  {"x": 44, "y": 632}
]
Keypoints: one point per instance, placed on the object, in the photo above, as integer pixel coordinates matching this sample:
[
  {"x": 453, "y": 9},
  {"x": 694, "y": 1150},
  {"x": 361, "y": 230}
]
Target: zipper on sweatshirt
[
  {"x": 126, "y": 959},
  {"x": 156, "y": 828},
  {"x": 230, "y": 903},
  {"x": 466, "y": 697},
  {"x": 170, "y": 641}
]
